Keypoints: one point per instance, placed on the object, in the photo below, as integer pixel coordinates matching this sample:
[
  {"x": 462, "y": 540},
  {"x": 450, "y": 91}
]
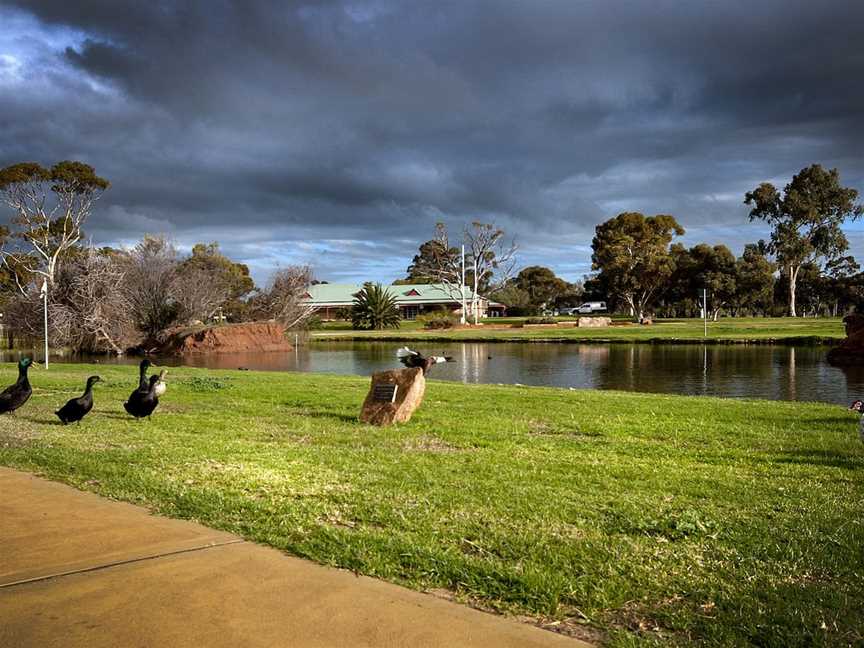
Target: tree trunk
[{"x": 793, "y": 280}]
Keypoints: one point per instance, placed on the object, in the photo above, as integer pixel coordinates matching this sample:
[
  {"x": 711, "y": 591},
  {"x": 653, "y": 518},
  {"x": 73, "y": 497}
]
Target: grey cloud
[{"x": 286, "y": 129}]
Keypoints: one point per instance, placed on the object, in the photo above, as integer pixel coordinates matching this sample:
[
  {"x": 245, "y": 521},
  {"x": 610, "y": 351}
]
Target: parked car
[{"x": 591, "y": 307}]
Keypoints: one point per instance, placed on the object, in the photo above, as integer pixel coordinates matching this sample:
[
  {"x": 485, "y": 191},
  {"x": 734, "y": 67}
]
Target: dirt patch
[{"x": 229, "y": 338}]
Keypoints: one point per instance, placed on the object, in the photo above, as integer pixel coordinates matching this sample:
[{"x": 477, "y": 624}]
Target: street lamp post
[{"x": 45, "y": 308}]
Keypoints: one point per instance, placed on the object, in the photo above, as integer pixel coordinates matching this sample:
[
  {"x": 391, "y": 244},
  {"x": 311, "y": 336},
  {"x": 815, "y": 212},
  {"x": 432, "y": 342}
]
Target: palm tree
[{"x": 374, "y": 308}]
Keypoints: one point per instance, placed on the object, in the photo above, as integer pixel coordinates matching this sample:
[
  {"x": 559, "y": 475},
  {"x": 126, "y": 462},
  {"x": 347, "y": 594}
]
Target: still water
[{"x": 737, "y": 371}]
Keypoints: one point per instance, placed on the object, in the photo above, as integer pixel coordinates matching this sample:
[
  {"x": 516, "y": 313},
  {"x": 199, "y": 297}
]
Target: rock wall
[
  {"x": 594, "y": 322},
  {"x": 227, "y": 338}
]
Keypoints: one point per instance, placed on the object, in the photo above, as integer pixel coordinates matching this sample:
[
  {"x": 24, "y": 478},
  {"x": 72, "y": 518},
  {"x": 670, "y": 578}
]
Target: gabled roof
[{"x": 343, "y": 294}]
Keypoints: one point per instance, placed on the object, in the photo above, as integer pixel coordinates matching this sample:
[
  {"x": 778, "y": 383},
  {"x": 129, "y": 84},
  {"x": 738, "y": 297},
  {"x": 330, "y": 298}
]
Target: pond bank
[
  {"x": 435, "y": 336},
  {"x": 796, "y": 331}
]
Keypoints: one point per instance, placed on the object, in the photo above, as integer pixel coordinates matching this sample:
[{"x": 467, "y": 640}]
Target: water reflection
[{"x": 773, "y": 372}]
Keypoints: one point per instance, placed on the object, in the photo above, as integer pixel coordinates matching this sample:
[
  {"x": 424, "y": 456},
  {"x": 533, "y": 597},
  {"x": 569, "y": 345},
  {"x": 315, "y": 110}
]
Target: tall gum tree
[
  {"x": 806, "y": 220},
  {"x": 49, "y": 207},
  {"x": 632, "y": 254}
]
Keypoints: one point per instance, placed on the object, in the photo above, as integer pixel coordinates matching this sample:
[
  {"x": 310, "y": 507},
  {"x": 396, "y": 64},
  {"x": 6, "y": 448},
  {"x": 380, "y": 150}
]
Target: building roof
[{"x": 331, "y": 294}]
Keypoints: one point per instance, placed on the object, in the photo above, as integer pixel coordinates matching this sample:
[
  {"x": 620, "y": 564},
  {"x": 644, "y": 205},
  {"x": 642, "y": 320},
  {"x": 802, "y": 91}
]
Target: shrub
[
  {"x": 439, "y": 319},
  {"x": 541, "y": 320},
  {"x": 314, "y": 323}
]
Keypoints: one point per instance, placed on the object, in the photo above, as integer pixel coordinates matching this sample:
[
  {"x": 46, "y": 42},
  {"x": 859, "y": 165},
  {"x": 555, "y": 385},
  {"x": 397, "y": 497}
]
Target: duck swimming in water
[
  {"x": 413, "y": 359},
  {"x": 16, "y": 395},
  {"x": 141, "y": 404},
  {"x": 77, "y": 408}
]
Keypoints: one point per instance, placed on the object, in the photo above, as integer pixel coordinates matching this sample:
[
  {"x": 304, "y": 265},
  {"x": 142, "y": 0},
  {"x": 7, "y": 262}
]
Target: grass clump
[{"x": 629, "y": 519}]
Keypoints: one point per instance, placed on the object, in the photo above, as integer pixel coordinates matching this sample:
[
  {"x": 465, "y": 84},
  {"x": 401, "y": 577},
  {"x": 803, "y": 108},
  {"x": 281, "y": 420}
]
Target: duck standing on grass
[
  {"x": 16, "y": 395},
  {"x": 142, "y": 403},
  {"x": 77, "y": 408},
  {"x": 413, "y": 359},
  {"x": 161, "y": 386},
  {"x": 143, "y": 382},
  {"x": 858, "y": 406}
]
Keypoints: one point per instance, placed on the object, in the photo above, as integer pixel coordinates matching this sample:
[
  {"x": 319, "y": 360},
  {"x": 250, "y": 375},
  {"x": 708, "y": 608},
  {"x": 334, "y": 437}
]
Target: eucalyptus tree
[
  {"x": 754, "y": 289},
  {"x": 49, "y": 209},
  {"x": 632, "y": 255},
  {"x": 806, "y": 220}
]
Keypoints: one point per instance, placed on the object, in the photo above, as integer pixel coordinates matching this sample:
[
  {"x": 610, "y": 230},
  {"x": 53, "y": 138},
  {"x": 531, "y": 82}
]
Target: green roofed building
[{"x": 413, "y": 300}]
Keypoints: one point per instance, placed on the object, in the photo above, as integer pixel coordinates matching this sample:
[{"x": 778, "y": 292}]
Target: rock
[
  {"x": 228, "y": 338},
  {"x": 851, "y": 350},
  {"x": 646, "y": 321},
  {"x": 853, "y": 323},
  {"x": 410, "y": 387},
  {"x": 594, "y": 322}
]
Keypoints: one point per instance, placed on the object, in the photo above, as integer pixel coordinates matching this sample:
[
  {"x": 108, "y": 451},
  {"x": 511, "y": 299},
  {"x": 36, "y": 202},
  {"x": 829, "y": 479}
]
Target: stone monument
[{"x": 393, "y": 396}]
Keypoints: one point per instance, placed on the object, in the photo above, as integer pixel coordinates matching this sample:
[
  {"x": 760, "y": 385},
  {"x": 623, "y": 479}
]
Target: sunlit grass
[
  {"x": 728, "y": 329},
  {"x": 626, "y": 518}
]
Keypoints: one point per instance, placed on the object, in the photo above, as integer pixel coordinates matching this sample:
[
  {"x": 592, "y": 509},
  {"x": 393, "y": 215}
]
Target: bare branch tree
[
  {"x": 91, "y": 306},
  {"x": 489, "y": 261},
  {"x": 149, "y": 284},
  {"x": 446, "y": 268},
  {"x": 198, "y": 293},
  {"x": 489, "y": 257},
  {"x": 283, "y": 299}
]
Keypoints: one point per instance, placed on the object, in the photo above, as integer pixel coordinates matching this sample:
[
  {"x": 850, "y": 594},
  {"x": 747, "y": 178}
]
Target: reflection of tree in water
[{"x": 748, "y": 371}]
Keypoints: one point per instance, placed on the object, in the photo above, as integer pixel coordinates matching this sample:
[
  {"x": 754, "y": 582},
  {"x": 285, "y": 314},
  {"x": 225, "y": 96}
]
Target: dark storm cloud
[{"x": 339, "y": 132}]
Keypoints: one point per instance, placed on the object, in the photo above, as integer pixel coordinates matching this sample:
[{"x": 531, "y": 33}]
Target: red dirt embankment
[{"x": 227, "y": 338}]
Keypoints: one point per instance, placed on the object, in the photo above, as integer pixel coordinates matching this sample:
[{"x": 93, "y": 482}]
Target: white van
[{"x": 591, "y": 307}]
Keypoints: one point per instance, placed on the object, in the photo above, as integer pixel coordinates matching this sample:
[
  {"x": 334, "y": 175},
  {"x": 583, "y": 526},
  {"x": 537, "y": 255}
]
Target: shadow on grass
[
  {"x": 345, "y": 418},
  {"x": 822, "y": 458}
]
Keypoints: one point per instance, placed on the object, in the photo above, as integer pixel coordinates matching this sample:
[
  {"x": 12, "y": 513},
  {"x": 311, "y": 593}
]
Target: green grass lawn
[
  {"x": 756, "y": 329},
  {"x": 629, "y": 519}
]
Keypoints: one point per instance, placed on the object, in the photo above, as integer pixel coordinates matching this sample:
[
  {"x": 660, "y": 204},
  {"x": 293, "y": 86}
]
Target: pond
[{"x": 737, "y": 371}]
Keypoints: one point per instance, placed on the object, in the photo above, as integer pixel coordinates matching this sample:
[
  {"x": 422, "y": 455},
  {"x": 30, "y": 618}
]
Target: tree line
[
  {"x": 803, "y": 268},
  {"x": 108, "y": 299}
]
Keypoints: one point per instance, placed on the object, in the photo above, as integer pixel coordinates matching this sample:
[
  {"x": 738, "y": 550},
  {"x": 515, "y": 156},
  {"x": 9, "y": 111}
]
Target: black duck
[
  {"x": 77, "y": 408},
  {"x": 141, "y": 404},
  {"x": 16, "y": 395},
  {"x": 413, "y": 359}
]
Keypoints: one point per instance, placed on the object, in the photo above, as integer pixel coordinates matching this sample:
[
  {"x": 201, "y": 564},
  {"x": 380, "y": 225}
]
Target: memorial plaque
[
  {"x": 385, "y": 393},
  {"x": 393, "y": 396}
]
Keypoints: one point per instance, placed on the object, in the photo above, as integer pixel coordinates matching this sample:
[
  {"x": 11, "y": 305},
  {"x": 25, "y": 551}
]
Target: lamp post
[
  {"x": 462, "y": 288},
  {"x": 44, "y": 292}
]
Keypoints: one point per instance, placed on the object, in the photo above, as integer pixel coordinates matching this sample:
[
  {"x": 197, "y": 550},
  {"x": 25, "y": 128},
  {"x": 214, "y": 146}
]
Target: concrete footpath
[{"x": 78, "y": 570}]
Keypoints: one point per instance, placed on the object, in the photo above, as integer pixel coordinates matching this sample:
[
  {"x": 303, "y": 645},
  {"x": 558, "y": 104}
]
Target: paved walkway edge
[{"x": 78, "y": 570}]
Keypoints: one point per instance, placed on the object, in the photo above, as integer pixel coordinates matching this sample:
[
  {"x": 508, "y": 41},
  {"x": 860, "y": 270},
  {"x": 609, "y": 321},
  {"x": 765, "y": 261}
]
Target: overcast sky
[{"x": 338, "y": 133}]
